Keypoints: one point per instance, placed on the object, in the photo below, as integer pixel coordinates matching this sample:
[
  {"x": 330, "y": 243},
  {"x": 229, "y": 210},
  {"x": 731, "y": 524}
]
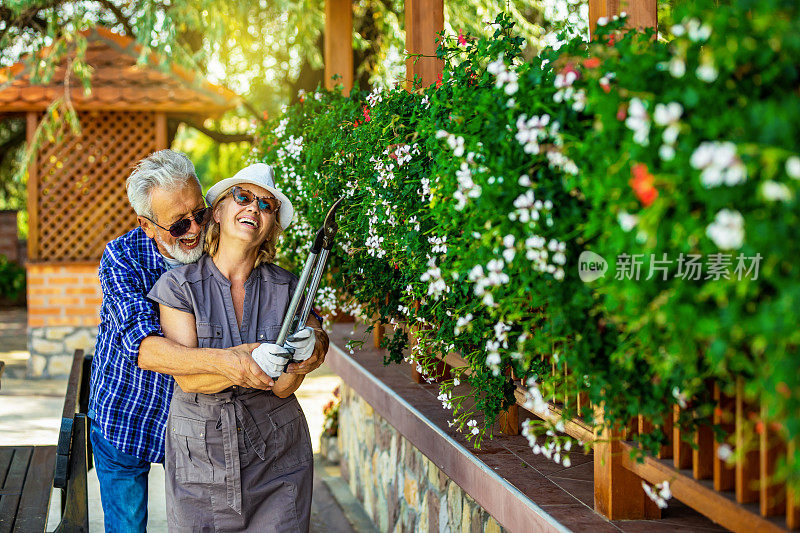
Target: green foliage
[
  {"x": 418, "y": 230},
  {"x": 469, "y": 203},
  {"x": 12, "y": 280}
]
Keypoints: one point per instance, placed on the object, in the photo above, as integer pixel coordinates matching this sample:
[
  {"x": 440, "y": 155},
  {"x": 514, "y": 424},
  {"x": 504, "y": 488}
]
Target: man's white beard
[{"x": 179, "y": 254}]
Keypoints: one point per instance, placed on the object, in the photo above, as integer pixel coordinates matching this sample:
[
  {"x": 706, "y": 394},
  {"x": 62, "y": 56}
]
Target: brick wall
[
  {"x": 63, "y": 315},
  {"x": 63, "y": 295},
  {"x": 9, "y": 241}
]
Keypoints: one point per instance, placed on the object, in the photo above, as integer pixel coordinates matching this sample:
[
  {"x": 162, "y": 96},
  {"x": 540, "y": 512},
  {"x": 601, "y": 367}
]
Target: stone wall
[
  {"x": 400, "y": 488},
  {"x": 52, "y": 348}
]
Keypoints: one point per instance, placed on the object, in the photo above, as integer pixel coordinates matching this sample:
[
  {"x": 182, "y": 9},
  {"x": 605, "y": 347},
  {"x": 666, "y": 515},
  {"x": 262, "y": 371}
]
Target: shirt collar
[{"x": 147, "y": 251}]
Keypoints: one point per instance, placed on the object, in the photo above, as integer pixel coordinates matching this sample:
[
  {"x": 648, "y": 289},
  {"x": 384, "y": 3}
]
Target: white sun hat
[{"x": 258, "y": 174}]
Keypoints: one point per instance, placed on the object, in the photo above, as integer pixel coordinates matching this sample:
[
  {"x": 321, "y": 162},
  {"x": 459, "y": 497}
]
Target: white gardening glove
[
  {"x": 271, "y": 358},
  {"x": 302, "y": 343}
]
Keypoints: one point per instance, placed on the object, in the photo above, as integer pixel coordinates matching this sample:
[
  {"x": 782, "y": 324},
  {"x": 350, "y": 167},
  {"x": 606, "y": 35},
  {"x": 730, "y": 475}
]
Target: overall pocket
[
  {"x": 187, "y": 438},
  {"x": 286, "y": 432},
  {"x": 208, "y": 333}
]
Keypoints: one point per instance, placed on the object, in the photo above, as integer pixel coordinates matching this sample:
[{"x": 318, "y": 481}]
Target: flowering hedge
[{"x": 471, "y": 205}]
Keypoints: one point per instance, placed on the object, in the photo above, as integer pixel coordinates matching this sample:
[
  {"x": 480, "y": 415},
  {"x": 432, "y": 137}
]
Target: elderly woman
[{"x": 237, "y": 459}]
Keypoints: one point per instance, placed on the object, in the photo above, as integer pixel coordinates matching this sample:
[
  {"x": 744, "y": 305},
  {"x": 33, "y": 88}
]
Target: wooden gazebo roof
[{"x": 117, "y": 83}]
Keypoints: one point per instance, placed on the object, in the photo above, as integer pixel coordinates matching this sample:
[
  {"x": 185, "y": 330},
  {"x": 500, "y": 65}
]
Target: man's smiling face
[{"x": 168, "y": 207}]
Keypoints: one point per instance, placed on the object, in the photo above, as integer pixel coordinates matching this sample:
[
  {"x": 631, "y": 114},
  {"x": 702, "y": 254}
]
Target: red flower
[
  {"x": 439, "y": 81},
  {"x": 265, "y": 115},
  {"x": 760, "y": 427},
  {"x": 355, "y": 124},
  {"x": 592, "y": 62},
  {"x": 605, "y": 85},
  {"x": 461, "y": 40},
  {"x": 622, "y": 112},
  {"x": 365, "y": 112},
  {"x": 642, "y": 184}
]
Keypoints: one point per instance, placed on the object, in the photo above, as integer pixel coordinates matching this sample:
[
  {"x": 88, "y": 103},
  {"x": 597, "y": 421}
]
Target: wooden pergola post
[
  {"x": 641, "y": 13},
  {"x": 424, "y": 19},
  {"x": 339, "y": 43}
]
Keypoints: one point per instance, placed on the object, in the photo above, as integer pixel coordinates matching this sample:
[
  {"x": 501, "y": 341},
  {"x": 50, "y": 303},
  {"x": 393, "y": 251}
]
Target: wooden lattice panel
[{"x": 80, "y": 185}]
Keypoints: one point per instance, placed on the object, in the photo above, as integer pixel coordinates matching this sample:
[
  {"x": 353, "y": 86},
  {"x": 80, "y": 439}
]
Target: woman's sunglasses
[
  {"x": 245, "y": 197},
  {"x": 181, "y": 227}
]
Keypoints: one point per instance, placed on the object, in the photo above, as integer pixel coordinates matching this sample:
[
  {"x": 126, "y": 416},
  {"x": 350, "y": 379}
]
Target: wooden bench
[{"x": 29, "y": 473}]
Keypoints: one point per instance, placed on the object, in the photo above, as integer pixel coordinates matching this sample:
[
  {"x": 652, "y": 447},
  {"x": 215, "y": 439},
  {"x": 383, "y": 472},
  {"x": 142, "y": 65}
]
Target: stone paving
[{"x": 30, "y": 413}]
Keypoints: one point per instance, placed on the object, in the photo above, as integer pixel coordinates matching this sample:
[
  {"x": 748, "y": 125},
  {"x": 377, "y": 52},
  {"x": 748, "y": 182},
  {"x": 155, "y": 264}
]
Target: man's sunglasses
[
  {"x": 181, "y": 227},
  {"x": 245, "y": 197}
]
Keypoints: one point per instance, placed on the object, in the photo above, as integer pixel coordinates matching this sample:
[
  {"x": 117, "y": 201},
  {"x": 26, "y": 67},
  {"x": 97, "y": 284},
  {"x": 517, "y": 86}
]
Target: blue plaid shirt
[{"x": 129, "y": 404}]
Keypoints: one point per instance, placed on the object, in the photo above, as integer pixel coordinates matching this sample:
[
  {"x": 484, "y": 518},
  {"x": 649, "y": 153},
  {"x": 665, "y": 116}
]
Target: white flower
[
  {"x": 774, "y": 191},
  {"x": 680, "y": 397},
  {"x": 724, "y": 452},
  {"x": 720, "y": 164},
  {"x": 461, "y": 323},
  {"x": 666, "y": 114},
  {"x": 638, "y": 121},
  {"x": 666, "y": 152},
  {"x": 677, "y": 67},
  {"x": 497, "y": 66},
  {"x": 707, "y": 72},
  {"x": 627, "y": 221},
  {"x": 727, "y": 230},
  {"x": 375, "y": 97},
  {"x": 793, "y": 167},
  {"x": 696, "y": 31},
  {"x": 602, "y": 21}
]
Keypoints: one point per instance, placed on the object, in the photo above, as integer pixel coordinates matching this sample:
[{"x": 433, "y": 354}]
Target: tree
[{"x": 265, "y": 50}]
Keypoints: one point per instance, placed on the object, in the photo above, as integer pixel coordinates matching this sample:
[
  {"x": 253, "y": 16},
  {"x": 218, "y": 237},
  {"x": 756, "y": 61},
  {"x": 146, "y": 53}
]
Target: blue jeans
[{"x": 123, "y": 485}]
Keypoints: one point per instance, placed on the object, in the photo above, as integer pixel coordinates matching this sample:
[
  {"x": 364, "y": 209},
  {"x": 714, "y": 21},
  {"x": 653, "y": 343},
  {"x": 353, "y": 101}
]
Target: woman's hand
[{"x": 271, "y": 358}]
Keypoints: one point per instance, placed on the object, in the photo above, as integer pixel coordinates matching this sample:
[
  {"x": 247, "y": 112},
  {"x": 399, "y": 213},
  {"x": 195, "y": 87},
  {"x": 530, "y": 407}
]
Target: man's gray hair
[{"x": 165, "y": 169}]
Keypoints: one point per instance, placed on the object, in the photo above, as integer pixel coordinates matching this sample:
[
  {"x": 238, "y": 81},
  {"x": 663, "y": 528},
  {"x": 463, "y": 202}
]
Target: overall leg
[{"x": 123, "y": 486}]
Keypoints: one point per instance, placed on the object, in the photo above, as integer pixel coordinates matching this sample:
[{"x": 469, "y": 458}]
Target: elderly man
[{"x": 133, "y": 365}]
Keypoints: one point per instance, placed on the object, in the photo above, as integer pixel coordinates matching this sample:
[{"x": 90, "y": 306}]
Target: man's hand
[
  {"x": 317, "y": 357},
  {"x": 243, "y": 370},
  {"x": 271, "y": 358}
]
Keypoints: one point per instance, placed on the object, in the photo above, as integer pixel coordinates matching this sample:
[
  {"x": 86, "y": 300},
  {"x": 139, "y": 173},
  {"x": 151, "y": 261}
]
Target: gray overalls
[{"x": 241, "y": 459}]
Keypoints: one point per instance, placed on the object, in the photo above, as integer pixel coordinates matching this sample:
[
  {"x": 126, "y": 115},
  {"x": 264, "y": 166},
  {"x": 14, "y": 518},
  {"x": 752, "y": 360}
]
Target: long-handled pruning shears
[{"x": 317, "y": 257}]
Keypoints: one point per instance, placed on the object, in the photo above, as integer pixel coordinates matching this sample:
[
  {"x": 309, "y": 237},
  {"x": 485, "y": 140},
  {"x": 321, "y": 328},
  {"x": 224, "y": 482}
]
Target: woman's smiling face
[{"x": 245, "y": 222}]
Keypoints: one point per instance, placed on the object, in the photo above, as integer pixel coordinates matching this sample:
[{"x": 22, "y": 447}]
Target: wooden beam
[
  {"x": 33, "y": 189},
  {"x": 161, "y": 131},
  {"x": 339, "y": 43},
  {"x": 641, "y": 13},
  {"x": 424, "y": 19}
]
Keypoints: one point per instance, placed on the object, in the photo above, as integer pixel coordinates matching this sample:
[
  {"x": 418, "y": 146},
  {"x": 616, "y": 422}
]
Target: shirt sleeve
[
  {"x": 169, "y": 291},
  {"x": 127, "y": 307}
]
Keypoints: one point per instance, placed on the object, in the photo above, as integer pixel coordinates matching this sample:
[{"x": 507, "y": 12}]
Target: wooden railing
[{"x": 741, "y": 497}]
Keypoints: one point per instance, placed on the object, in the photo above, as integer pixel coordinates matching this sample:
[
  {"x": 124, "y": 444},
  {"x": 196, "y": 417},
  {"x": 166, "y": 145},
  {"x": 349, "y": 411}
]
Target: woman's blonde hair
[{"x": 268, "y": 249}]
